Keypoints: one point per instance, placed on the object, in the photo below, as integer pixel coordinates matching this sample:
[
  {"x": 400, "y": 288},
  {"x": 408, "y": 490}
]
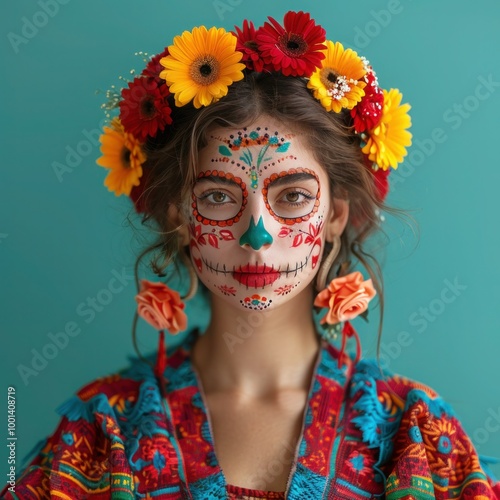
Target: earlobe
[
  {"x": 337, "y": 219},
  {"x": 183, "y": 234}
]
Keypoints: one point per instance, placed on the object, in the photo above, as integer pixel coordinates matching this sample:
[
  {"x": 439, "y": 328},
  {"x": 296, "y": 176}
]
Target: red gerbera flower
[
  {"x": 368, "y": 111},
  {"x": 380, "y": 177},
  {"x": 137, "y": 192},
  {"x": 247, "y": 44},
  {"x": 144, "y": 109},
  {"x": 154, "y": 68},
  {"x": 296, "y": 49}
]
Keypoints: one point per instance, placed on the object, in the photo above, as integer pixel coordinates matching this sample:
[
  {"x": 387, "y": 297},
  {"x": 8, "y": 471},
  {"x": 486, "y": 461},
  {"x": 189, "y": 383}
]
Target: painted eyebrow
[
  {"x": 215, "y": 179},
  {"x": 291, "y": 178}
]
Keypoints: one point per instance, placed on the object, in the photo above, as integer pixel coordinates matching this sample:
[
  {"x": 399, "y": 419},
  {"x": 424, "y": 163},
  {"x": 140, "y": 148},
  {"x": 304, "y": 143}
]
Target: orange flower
[
  {"x": 346, "y": 297},
  {"x": 161, "y": 307}
]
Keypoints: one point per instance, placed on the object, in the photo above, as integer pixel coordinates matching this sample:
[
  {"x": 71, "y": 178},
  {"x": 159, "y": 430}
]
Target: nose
[{"x": 256, "y": 235}]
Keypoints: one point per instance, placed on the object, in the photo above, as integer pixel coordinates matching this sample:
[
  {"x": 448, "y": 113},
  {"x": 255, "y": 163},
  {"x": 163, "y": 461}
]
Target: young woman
[{"x": 261, "y": 159}]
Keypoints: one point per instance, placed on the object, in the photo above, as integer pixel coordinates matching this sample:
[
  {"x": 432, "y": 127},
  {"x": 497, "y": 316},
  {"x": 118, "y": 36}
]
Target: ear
[
  {"x": 178, "y": 220},
  {"x": 337, "y": 219}
]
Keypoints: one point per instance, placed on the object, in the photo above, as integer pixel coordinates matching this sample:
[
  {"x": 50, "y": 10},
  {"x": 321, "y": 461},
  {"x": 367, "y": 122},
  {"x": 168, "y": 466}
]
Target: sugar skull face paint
[
  {"x": 252, "y": 150},
  {"x": 257, "y": 222}
]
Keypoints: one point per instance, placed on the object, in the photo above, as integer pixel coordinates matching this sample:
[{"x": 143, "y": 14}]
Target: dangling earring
[
  {"x": 163, "y": 309},
  {"x": 328, "y": 263},
  {"x": 345, "y": 297},
  {"x": 161, "y": 359}
]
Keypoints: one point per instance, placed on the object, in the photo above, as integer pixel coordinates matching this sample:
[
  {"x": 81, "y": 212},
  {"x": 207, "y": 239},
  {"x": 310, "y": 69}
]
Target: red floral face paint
[
  {"x": 227, "y": 290},
  {"x": 309, "y": 237},
  {"x": 286, "y": 289}
]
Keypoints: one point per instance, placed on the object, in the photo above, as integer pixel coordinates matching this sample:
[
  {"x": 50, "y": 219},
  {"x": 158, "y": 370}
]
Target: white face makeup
[{"x": 257, "y": 215}]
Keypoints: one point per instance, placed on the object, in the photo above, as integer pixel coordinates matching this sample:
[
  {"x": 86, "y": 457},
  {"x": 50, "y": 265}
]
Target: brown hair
[{"x": 172, "y": 158}]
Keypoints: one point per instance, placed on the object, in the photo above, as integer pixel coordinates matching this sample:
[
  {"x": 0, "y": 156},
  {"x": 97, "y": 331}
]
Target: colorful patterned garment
[{"x": 364, "y": 436}]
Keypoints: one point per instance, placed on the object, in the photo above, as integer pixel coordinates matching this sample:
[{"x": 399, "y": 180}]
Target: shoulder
[
  {"x": 419, "y": 437},
  {"x": 369, "y": 379},
  {"x": 101, "y": 411},
  {"x": 118, "y": 400},
  {"x": 94, "y": 448},
  {"x": 105, "y": 397},
  {"x": 117, "y": 394}
]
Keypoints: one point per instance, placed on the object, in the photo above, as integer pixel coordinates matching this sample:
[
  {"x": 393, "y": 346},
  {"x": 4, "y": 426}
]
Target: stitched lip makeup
[{"x": 255, "y": 276}]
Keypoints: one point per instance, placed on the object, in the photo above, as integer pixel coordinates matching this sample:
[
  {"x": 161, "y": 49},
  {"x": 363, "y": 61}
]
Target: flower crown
[{"x": 200, "y": 66}]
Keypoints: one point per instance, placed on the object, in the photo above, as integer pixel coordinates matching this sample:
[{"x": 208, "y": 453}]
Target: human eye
[
  {"x": 292, "y": 195},
  {"x": 295, "y": 197},
  {"x": 217, "y": 203},
  {"x": 215, "y": 198}
]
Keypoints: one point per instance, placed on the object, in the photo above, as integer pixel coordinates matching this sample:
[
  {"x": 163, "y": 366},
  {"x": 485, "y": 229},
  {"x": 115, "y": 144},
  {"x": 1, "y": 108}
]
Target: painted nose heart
[{"x": 256, "y": 235}]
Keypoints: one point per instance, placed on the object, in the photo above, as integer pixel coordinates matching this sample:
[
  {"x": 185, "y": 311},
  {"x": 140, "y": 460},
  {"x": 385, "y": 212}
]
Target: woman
[{"x": 261, "y": 158}]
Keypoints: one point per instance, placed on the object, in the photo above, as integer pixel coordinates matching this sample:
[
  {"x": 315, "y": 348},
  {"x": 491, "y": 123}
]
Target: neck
[{"x": 258, "y": 352}]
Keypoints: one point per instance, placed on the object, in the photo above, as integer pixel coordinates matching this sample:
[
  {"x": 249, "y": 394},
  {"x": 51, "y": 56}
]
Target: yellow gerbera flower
[
  {"x": 123, "y": 155},
  {"x": 339, "y": 82},
  {"x": 387, "y": 142},
  {"x": 201, "y": 65}
]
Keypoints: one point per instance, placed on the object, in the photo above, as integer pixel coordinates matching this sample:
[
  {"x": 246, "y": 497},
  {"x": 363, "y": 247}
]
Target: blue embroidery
[
  {"x": 305, "y": 484},
  {"x": 159, "y": 461},
  {"x": 415, "y": 434},
  {"x": 358, "y": 462},
  {"x": 444, "y": 445},
  {"x": 68, "y": 438},
  {"x": 212, "y": 487},
  {"x": 74, "y": 408}
]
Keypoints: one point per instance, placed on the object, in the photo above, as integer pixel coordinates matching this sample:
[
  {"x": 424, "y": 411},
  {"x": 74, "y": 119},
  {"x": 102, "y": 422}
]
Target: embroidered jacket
[{"x": 365, "y": 435}]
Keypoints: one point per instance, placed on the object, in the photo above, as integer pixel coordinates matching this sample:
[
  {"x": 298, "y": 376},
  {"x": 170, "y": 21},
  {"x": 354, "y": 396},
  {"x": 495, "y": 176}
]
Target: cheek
[
  {"x": 305, "y": 238},
  {"x": 208, "y": 240}
]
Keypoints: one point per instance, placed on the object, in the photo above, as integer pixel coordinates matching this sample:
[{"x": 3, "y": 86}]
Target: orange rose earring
[
  {"x": 346, "y": 297},
  {"x": 163, "y": 309}
]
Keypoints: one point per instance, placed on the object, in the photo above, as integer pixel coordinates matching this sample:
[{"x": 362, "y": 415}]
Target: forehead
[{"x": 263, "y": 147}]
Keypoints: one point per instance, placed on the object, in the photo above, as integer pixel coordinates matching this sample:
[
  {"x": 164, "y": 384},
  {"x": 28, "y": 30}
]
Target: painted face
[{"x": 257, "y": 215}]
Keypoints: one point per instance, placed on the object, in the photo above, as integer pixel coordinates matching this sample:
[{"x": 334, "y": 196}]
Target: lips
[{"x": 255, "y": 276}]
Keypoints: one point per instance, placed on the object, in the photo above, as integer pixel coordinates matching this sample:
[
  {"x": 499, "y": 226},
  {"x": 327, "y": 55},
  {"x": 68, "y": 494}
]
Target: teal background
[{"x": 61, "y": 239}]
